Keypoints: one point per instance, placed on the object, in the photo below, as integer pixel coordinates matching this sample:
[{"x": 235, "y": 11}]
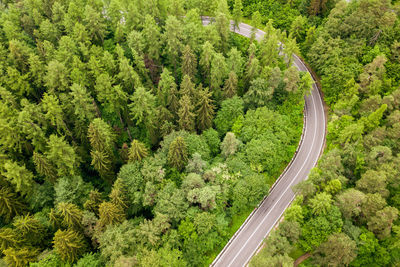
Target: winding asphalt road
[{"x": 249, "y": 237}]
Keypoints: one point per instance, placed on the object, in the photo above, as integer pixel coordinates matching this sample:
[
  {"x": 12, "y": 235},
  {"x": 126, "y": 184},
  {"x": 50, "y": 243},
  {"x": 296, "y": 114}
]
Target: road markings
[
  {"x": 284, "y": 192},
  {"x": 259, "y": 34}
]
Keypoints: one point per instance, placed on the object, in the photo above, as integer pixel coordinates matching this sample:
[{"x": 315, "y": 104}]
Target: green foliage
[
  {"x": 69, "y": 245},
  {"x": 71, "y": 190},
  {"x": 137, "y": 151},
  {"x": 177, "y": 154},
  {"x": 230, "y": 110}
]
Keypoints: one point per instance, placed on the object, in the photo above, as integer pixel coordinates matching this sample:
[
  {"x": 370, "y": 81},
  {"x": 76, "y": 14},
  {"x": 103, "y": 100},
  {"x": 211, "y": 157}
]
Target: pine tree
[
  {"x": 237, "y": 13},
  {"x": 10, "y": 204},
  {"x": 230, "y": 86},
  {"x": 189, "y": 62},
  {"x": 205, "y": 110},
  {"x": 178, "y": 154},
  {"x": 110, "y": 213},
  {"x": 20, "y": 257},
  {"x": 70, "y": 214},
  {"x": 44, "y": 167},
  {"x": 69, "y": 244},
  {"x": 137, "y": 151},
  {"x": 185, "y": 114}
]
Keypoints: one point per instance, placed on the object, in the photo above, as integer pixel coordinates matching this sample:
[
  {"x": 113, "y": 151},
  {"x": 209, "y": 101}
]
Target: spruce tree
[
  {"x": 189, "y": 62},
  {"x": 110, "y": 213},
  {"x": 8, "y": 238},
  {"x": 237, "y": 13},
  {"x": 185, "y": 114},
  {"x": 137, "y": 151},
  {"x": 119, "y": 193},
  {"x": 230, "y": 86},
  {"x": 10, "y": 204},
  {"x": 188, "y": 88},
  {"x": 29, "y": 229},
  {"x": 20, "y": 257},
  {"x": 70, "y": 214},
  {"x": 205, "y": 110},
  {"x": 62, "y": 155},
  {"x": 69, "y": 244},
  {"x": 101, "y": 138},
  {"x": 177, "y": 153},
  {"x": 20, "y": 177},
  {"x": 94, "y": 201},
  {"x": 205, "y": 60},
  {"x": 44, "y": 167}
]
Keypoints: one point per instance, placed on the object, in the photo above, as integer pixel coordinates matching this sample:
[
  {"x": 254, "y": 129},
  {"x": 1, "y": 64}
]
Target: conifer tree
[
  {"x": 19, "y": 176},
  {"x": 173, "y": 39},
  {"x": 20, "y": 257},
  {"x": 101, "y": 139},
  {"x": 29, "y": 229},
  {"x": 143, "y": 107},
  {"x": 44, "y": 167},
  {"x": 230, "y": 86},
  {"x": 118, "y": 194},
  {"x": 177, "y": 153},
  {"x": 185, "y": 114},
  {"x": 237, "y": 13},
  {"x": 94, "y": 201},
  {"x": 188, "y": 88},
  {"x": 8, "y": 238},
  {"x": 291, "y": 78},
  {"x": 218, "y": 71},
  {"x": 235, "y": 61},
  {"x": 206, "y": 59},
  {"x": 62, "y": 155},
  {"x": 10, "y": 204},
  {"x": 137, "y": 151},
  {"x": 69, "y": 244},
  {"x": 83, "y": 103},
  {"x": 151, "y": 34},
  {"x": 205, "y": 110},
  {"x": 189, "y": 62},
  {"x": 110, "y": 213},
  {"x": 168, "y": 93},
  {"x": 70, "y": 214}
]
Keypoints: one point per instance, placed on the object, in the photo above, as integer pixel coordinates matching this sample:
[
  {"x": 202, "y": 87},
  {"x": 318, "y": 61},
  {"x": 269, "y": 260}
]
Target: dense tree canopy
[
  {"x": 130, "y": 134},
  {"x": 348, "y": 208}
]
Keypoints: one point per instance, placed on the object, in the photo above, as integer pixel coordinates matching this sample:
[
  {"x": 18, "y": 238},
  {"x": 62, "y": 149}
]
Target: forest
[
  {"x": 132, "y": 135},
  {"x": 347, "y": 211}
]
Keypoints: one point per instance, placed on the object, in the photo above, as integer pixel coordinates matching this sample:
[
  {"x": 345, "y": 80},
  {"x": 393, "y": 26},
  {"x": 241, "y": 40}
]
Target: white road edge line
[
  {"x": 315, "y": 162},
  {"x": 284, "y": 192}
]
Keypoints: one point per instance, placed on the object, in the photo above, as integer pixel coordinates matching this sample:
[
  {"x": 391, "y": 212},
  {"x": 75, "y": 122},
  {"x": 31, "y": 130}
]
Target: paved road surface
[{"x": 246, "y": 241}]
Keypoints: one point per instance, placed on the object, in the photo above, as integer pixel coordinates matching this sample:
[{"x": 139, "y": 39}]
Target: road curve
[{"x": 258, "y": 225}]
